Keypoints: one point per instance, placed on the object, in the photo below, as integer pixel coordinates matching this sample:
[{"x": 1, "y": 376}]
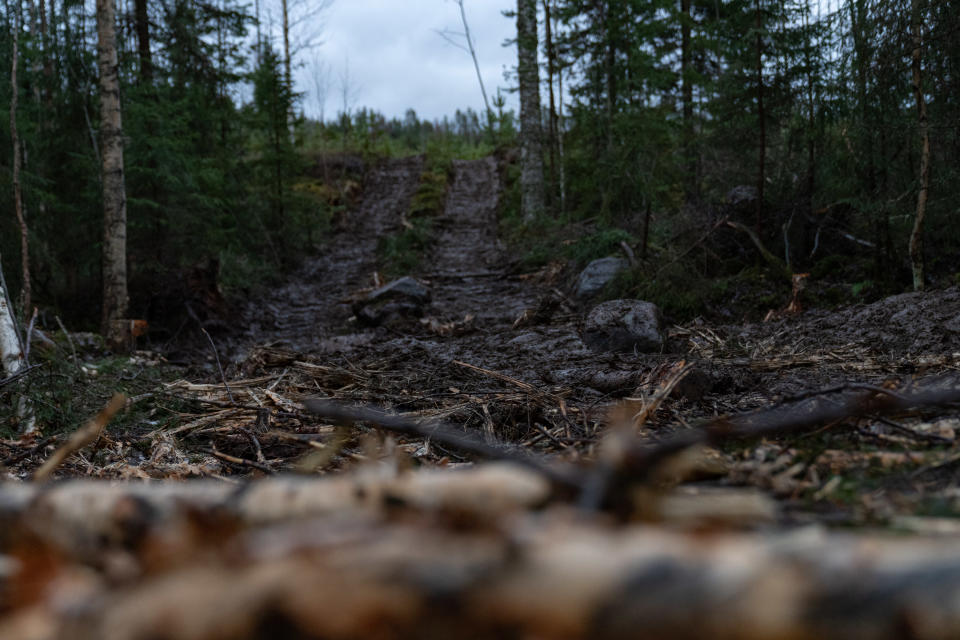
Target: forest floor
[{"x": 845, "y": 418}]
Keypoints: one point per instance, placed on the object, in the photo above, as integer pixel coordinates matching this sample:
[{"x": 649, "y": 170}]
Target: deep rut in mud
[
  {"x": 467, "y": 269},
  {"x": 308, "y": 312},
  {"x": 470, "y": 275}
]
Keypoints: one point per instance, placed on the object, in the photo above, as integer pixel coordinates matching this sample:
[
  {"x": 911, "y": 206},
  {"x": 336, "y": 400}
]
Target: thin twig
[
  {"x": 443, "y": 434},
  {"x": 66, "y": 333},
  {"x": 910, "y": 433},
  {"x": 81, "y": 437},
  {"x": 255, "y": 443},
  {"x": 19, "y": 374},
  {"x": 219, "y": 368},
  {"x": 26, "y": 346},
  {"x": 23, "y": 455},
  {"x": 812, "y": 410},
  {"x": 243, "y": 462}
]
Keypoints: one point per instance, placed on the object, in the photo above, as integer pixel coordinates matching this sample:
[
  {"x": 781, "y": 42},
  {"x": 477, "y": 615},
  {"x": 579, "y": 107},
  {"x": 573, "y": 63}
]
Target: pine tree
[{"x": 115, "y": 298}]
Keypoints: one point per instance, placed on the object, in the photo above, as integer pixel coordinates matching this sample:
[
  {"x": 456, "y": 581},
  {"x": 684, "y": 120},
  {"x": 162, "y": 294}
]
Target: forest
[{"x": 669, "y": 349}]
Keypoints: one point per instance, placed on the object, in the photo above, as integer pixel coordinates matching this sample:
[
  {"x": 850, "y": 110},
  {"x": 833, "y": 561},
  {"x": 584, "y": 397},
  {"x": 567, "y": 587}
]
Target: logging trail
[{"x": 346, "y": 491}]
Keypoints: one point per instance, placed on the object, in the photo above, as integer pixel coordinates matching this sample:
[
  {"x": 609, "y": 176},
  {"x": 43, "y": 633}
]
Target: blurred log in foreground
[{"x": 437, "y": 554}]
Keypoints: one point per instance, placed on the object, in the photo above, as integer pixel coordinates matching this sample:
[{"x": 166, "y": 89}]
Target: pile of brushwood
[{"x": 306, "y": 498}]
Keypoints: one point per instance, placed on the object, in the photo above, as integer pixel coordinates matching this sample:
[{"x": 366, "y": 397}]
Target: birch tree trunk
[
  {"x": 916, "y": 236},
  {"x": 114, "y": 192},
  {"x": 12, "y": 357},
  {"x": 531, "y": 156}
]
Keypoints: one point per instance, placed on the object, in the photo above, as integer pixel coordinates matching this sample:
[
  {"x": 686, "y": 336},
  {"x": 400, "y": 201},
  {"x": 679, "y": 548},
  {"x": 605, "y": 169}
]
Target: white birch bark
[{"x": 12, "y": 357}]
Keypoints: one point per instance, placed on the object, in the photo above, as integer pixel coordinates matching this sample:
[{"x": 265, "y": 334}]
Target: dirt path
[
  {"x": 534, "y": 381},
  {"x": 310, "y": 312},
  {"x": 469, "y": 267}
]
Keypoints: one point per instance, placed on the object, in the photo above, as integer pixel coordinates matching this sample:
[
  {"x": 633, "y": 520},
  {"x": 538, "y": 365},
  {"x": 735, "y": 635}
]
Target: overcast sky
[{"x": 396, "y": 60}]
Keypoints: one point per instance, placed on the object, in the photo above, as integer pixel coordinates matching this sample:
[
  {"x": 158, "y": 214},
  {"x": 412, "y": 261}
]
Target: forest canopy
[{"x": 829, "y": 129}]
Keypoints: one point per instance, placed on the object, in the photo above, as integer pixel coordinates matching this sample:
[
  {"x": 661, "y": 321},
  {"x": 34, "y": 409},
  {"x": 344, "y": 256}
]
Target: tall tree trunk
[
  {"x": 858, "y": 18},
  {"x": 142, "y": 18},
  {"x": 17, "y": 161},
  {"x": 762, "y": 119},
  {"x": 690, "y": 161},
  {"x": 256, "y": 11},
  {"x": 531, "y": 157},
  {"x": 551, "y": 72},
  {"x": 287, "y": 64},
  {"x": 114, "y": 191},
  {"x": 811, "y": 131},
  {"x": 286, "y": 43},
  {"x": 13, "y": 359},
  {"x": 916, "y": 236},
  {"x": 476, "y": 64},
  {"x": 12, "y": 356},
  {"x": 562, "y": 174},
  {"x": 609, "y": 58}
]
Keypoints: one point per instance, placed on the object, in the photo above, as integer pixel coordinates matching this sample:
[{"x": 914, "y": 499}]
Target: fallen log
[{"x": 543, "y": 576}]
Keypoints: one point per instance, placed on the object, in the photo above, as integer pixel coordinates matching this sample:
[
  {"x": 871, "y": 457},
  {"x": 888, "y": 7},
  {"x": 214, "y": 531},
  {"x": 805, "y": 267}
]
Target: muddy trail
[
  {"x": 502, "y": 353},
  {"x": 444, "y": 455},
  {"x": 471, "y": 341}
]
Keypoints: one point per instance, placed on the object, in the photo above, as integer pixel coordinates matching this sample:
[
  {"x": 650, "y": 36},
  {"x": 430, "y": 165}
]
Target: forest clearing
[{"x": 402, "y": 379}]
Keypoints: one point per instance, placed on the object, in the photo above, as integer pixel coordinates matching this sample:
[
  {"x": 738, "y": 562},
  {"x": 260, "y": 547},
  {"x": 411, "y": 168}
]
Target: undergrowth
[
  {"x": 65, "y": 393},
  {"x": 405, "y": 250}
]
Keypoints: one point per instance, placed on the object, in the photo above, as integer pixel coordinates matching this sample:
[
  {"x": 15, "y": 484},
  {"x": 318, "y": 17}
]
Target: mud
[{"x": 526, "y": 326}]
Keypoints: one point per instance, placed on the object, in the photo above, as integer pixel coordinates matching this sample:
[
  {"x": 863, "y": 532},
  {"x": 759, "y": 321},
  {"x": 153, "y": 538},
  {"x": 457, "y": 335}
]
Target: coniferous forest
[
  {"x": 658, "y": 339},
  {"x": 833, "y": 128}
]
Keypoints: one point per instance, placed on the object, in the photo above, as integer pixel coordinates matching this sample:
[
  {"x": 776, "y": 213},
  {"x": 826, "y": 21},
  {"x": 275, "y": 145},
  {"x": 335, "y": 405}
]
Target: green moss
[
  {"x": 403, "y": 252},
  {"x": 64, "y": 395},
  {"x": 600, "y": 243},
  {"x": 431, "y": 194}
]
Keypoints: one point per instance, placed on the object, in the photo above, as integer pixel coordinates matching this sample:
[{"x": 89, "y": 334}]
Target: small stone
[
  {"x": 742, "y": 195},
  {"x": 597, "y": 275},
  {"x": 401, "y": 299},
  {"x": 624, "y": 325},
  {"x": 405, "y": 287}
]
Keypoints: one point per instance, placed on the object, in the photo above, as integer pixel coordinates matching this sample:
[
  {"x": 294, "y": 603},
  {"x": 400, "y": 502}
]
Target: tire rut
[
  {"x": 311, "y": 309},
  {"x": 470, "y": 265}
]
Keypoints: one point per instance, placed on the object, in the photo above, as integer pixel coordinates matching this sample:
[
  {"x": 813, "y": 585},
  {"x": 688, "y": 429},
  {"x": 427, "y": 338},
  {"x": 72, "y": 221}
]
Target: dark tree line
[
  {"x": 843, "y": 118},
  {"x": 209, "y": 161}
]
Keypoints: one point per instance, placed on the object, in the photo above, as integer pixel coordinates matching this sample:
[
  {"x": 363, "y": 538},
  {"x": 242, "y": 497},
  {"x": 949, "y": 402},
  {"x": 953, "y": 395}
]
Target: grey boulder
[
  {"x": 400, "y": 300},
  {"x": 624, "y": 325},
  {"x": 598, "y": 274}
]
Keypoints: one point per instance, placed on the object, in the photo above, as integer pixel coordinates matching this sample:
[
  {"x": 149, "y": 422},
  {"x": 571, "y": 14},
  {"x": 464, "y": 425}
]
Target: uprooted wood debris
[{"x": 591, "y": 522}]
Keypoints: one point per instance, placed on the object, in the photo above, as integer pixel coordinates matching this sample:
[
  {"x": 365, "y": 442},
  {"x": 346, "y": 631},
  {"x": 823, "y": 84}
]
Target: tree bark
[
  {"x": 761, "y": 117},
  {"x": 531, "y": 157},
  {"x": 142, "y": 18},
  {"x": 12, "y": 357},
  {"x": 562, "y": 175},
  {"x": 287, "y": 65},
  {"x": 114, "y": 191},
  {"x": 916, "y": 236},
  {"x": 551, "y": 72},
  {"x": 858, "y": 19},
  {"x": 17, "y": 189},
  {"x": 286, "y": 43},
  {"x": 687, "y": 92}
]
